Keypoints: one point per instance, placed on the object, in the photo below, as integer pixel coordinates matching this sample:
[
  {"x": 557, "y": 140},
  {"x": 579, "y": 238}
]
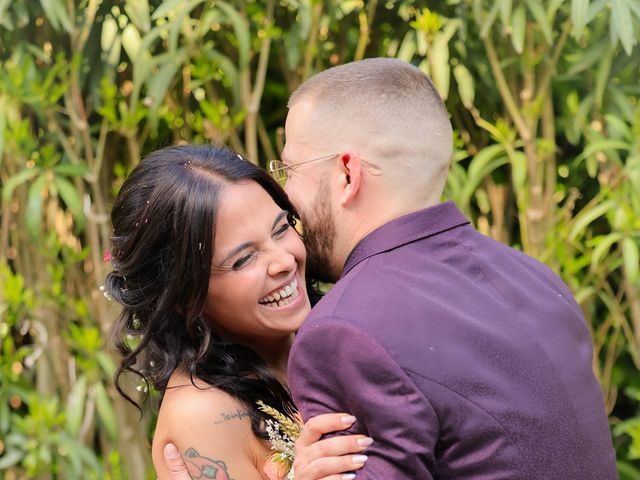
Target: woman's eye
[
  {"x": 243, "y": 261},
  {"x": 281, "y": 230}
]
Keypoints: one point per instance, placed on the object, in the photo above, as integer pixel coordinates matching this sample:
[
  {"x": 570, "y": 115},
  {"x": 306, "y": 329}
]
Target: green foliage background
[{"x": 544, "y": 98}]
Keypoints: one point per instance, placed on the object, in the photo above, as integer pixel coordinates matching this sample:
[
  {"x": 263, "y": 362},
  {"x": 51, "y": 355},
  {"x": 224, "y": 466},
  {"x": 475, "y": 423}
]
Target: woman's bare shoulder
[{"x": 204, "y": 421}]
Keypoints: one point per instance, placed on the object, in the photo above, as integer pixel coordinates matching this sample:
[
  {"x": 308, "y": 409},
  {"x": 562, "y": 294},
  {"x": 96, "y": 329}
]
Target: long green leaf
[
  {"x": 105, "y": 411},
  {"x": 602, "y": 248},
  {"x": 466, "y": 88},
  {"x": 138, "y": 12},
  {"x": 441, "y": 71},
  {"x": 35, "y": 206},
  {"x": 3, "y": 126},
  {"x": 631, "y": 259},
  {"x": 161, "y": 80},
  {"x": 579, "y": 14},
  {"x": 505, "y": 12},
  {"x": 57, "y": 14},
  {"x": 71, "y": 170},
  {"x": 588, "y": 58},
  {"x": 622, "y": 24},
  {"x": 10, "y": 458},
  {"x": 75, "y": 405},
  {"x": 489, "y": 20},
  {"x": 518, "y": 28},
  {"x": 69, "y": 195},
  {"x": 537, "y": 10},
  {"x": 15, "y": 180},
  {"x": 243, "y": 35},
  {"x": 585, "y": 217},
  {"x": 602, "y": 146}
]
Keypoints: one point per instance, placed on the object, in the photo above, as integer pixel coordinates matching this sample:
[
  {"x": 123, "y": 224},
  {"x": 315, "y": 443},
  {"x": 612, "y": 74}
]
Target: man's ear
[{"x": 350, "y": 178}]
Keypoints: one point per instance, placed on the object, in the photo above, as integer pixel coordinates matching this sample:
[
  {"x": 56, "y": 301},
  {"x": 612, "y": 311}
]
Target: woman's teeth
[{"x": 282, "y": 297}]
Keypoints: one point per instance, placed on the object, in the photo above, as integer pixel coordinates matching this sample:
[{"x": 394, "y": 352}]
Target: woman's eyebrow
[
  {"x": 241, "y": 247},
  {"x": 281, "y": 215},
  {"x": 236, "y": 250}
]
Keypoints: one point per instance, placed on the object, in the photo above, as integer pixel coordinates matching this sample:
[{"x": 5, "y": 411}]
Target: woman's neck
[{"x": 276, "y": 355}]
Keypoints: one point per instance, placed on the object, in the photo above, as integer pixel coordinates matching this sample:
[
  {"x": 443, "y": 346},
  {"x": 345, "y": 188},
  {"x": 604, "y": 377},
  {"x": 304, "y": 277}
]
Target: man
[{"x": 461, "y": 357}]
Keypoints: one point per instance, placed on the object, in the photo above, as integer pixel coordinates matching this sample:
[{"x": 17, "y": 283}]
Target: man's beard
[{"x": 319, "y": 237}]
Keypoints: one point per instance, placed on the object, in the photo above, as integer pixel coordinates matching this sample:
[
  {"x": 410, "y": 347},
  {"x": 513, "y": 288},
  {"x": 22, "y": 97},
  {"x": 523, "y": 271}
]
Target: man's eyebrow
[{"x": 241, "y": 247}]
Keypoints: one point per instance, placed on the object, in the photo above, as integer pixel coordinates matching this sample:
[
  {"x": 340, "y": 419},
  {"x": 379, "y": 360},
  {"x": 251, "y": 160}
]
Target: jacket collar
[{"x": 406, "y": 229}]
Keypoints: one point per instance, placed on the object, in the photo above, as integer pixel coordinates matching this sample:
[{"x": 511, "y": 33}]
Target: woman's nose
[{"x": 281, "y": 261}]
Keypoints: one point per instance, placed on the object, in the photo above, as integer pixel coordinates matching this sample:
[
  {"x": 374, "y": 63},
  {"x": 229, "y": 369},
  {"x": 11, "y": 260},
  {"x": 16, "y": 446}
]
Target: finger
[
  {"x": 334, "y": 447},
  {"x": 322, "y": 424},
  {"x": 335, "y": 467},
  {"x": 175, "y": 463}
]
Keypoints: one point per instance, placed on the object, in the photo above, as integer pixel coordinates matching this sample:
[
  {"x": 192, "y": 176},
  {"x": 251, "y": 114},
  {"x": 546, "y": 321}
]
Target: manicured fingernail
[
  {"x": 359, "y": 459},
  {"x": 348, "y": 419},
  {"x": 348, "y": 476},
  {"x": 365, "y": 442}
]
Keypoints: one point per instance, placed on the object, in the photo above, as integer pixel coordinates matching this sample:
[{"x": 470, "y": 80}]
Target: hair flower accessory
[{"x": 283, "y": 432}]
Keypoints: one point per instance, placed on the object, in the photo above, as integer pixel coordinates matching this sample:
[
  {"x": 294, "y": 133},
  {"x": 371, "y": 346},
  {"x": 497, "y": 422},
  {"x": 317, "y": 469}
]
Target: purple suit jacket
[{"x": 461, "y": 357}]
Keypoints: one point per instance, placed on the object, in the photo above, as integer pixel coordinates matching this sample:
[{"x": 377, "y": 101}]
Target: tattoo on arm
[
  {"x": 237, "y": 415},
  {"x": 201, "y": 468}
]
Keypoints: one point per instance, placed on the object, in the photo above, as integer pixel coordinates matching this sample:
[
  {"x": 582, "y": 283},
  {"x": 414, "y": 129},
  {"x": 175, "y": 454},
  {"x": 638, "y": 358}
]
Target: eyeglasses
[{"x": 280, "y": 170}]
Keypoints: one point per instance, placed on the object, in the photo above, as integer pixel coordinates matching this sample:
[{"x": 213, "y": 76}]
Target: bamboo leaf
[
  {"x": 131, "y": 41},
  {"x": 105, "y": 411},
  {"x": 589, "y": 57},
  {"x": 602, "y": 248},
  {"x": 536, "y": 9},
  {"x": 71, "y": 170},
  {"x": 631, "y": 259},
  {"x": 619, "y": 128},
  {"x": 579, "y": 14},
  {"x": 166, "y": 6},
  {"x": 69, "y": 195},
  {"x": 108, "y": 34},
  {"x": 602, "y": 76},
  {"x": 489, "y": 20},
  {"x": 441, "y": 71},
  {"x": 622, "y": 25},
  {"x": 34, "y": 206},
  {"x": 161, "y": 80},
  {"x": 481, "y": 166},
  {"x": 241, "y": 30},
  {"x": 10, "y": 458},
  {"x": 3, "y": 126},
  {"x": 407, "y": 47},
  {"x": 585, "y": 217},
  {"x": 56, "y": 13},
  {"x": 466, "y": 88},
  {"x": 518, "y": 170},
  {"x": 15, "y": 180},
  {"x": 602, "y": 146},
  {"x": 75, "y": 405},
  {"x": 138, "y": 12},
  {"x": 518, "y": 28},
  {"x": 505, "y": 12}
]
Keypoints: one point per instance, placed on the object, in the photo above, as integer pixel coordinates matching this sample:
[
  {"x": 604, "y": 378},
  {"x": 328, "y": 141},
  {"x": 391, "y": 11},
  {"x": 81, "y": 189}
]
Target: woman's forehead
[{"x": 244, "y": 209}]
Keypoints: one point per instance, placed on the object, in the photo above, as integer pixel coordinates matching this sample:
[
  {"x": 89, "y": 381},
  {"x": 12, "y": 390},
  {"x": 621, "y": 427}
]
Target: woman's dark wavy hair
[{"x": 164, "y": 221}]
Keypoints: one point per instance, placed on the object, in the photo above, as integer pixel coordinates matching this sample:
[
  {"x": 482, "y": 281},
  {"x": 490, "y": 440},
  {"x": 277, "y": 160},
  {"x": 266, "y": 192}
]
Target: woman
[{"x": 210, "y": 274}]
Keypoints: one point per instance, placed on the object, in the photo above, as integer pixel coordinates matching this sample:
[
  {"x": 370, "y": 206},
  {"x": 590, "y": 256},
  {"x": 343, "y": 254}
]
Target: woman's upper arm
[{"x": 213, "y": 432}]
